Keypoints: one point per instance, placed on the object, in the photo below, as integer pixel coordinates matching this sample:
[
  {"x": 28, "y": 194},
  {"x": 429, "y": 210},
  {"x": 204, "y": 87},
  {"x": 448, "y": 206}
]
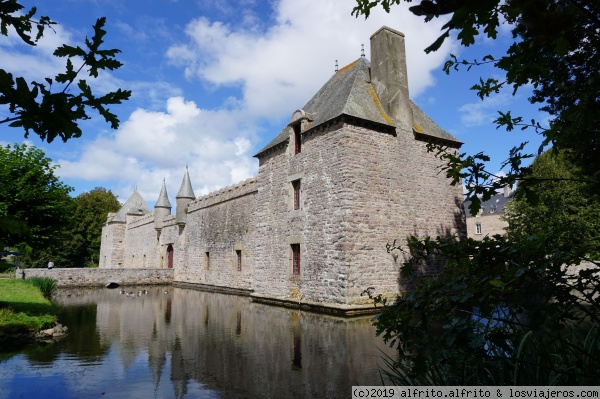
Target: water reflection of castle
[{"x": 233, "y": 346}]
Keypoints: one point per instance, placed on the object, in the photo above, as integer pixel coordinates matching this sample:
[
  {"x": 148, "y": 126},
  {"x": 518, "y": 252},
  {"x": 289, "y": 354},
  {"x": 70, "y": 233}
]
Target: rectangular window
[
  {"x": 296, "y": 259},
  {"x": 478, "y": 228},
  {"x": 238, "y": 254},
  {"x": 207, "y": 260},
  {"x": 297, "y": 140},
  {"x": 296, "y": 187}
]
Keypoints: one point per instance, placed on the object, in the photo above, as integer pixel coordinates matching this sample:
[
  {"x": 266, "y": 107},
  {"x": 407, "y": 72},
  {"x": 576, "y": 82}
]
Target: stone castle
[{"x": 348, "y": 174}]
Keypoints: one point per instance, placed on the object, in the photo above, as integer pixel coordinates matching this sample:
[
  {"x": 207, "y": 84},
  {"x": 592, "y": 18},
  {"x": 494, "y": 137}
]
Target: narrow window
[
  {"x": 207, "y": 260},
  {"x": 296, "y": 187},
  {"x": 478, "y": 228},
  {"x": 296, "y": 259},
  {"x": 238, "y": 253},
  {"x": 297, "y": 139}
]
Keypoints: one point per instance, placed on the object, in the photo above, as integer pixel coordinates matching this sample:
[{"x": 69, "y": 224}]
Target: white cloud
[
  {"x": 276, "y": 69},
  {"x": 34, "y": 62},
  {"x": 153, "y": 145},
  {"x": 483, "y": 112}
]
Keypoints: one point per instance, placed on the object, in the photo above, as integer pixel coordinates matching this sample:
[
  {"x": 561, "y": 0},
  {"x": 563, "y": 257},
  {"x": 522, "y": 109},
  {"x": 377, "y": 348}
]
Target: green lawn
[{"x": 24, "y": 308}]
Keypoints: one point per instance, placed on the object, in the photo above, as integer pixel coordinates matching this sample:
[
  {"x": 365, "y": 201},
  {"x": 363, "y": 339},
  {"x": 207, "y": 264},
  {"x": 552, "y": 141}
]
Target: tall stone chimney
[{"x": 389, "y": 77}]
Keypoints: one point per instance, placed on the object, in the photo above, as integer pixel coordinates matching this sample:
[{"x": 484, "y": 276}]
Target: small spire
[
  {"x": 336, "y": 66},
  {"x": 362, "y": 50},
  {"x": 163, "y": 198},
  {"x": 186, "y": 190}
]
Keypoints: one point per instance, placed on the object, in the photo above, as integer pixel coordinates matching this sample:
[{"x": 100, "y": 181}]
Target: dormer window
[{"x": 297, "y": 139}]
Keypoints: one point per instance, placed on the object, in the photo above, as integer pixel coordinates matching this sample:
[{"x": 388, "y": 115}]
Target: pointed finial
[
  {"x": 336, "y": 66},
  {"x": 362, "y": 50},
  {"x": 135, "y": 188}
]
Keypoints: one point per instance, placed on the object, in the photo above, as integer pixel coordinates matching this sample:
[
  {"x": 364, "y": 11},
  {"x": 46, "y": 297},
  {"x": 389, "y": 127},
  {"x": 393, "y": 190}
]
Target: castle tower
[
  {"x": 349, "y": 174},
  {"x": 114, "y": 241},
  {"x": 183, "y": 198},
  {"x": 162, "y": 208}
]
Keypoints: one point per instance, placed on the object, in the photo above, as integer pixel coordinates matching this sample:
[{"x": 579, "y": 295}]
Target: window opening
[
  {"x": 296, "y": 186},
  {"x": 297, "y": 139},
  {"x": 239, "y": 260},
  {"x": 296, "y": 259}
]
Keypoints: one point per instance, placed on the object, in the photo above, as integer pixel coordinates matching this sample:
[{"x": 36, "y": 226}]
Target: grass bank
[{"x": 23, "y": 308}]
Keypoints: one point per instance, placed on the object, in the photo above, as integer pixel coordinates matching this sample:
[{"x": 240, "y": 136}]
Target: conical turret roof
[
  {"x": 163, "y": 198},
  {"x": 186, "y": 190},
  {"x": 135, "y": 204}
]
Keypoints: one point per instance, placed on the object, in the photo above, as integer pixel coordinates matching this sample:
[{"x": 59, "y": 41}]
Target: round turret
[
  {"x": 183, "y": 198},
  {"x": 162, "y": 208}
]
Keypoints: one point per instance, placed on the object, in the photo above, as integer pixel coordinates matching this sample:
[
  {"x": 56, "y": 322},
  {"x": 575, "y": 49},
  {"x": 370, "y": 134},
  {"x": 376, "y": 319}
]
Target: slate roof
[
  {"x": 135, "y": 204},
  {"x": 163, "y": 198},
  {"x": 186, "y": 191},
  {"x": 495, "y": 204},
  {"x": 349, "y": 92}
]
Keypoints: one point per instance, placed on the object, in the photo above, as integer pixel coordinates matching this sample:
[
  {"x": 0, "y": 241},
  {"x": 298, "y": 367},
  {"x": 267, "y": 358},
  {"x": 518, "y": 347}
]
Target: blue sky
[{"x": 214, "y": 81}]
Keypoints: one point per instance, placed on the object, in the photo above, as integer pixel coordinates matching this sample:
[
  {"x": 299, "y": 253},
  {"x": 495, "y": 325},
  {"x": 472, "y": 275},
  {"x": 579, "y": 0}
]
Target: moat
[{"x": 165, "y": 342}]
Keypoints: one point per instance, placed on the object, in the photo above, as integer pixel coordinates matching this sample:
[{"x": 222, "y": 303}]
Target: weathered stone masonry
[{"x": 347, "y": 175}]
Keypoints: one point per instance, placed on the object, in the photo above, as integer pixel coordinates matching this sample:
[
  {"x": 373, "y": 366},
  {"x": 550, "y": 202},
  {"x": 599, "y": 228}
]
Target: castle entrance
[{"x": 170, "y": 256}]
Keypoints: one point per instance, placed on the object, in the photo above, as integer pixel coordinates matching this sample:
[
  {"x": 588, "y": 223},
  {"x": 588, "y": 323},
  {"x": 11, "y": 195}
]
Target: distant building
[
  {"x": 490, "y": 219},
  {"x": 347, "y": 175}
]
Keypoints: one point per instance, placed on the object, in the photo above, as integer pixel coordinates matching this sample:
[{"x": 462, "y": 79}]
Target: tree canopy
[
  {"x": 520, "y": 308},
  {"x": 33, "y": 201},
  {"x": 77, "y": 242},
  {"x": 555, "y": 50},
  {"x": 560, "y": 205},
  {"x": 55, "y": 107},
  {"x": 90, "y": 213}
]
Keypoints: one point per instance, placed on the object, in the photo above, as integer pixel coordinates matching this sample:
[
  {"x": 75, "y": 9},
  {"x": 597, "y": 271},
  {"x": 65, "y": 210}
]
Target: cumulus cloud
[
  {"x": 280, "y": 68},
  {"x": 153, "y": 145},
  {"x": 269, "y": 65},
  {"x": 483, "y": 112}
]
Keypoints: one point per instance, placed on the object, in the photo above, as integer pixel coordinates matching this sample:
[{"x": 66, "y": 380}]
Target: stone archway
[{"x": 170, "y": 256}]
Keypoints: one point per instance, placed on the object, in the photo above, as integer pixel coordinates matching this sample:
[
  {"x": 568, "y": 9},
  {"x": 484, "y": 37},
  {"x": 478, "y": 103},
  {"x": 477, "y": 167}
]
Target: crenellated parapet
[
  {"x": 140, "y": 221},
  {"x": 170, "y": 220},
  {"x": 246, "y": 187}
]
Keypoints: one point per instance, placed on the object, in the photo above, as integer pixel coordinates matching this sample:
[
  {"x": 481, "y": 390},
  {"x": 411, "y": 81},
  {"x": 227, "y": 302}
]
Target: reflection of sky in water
[
  {"x": 193, "y": 344},
  {"x": 66, "y": 378}
]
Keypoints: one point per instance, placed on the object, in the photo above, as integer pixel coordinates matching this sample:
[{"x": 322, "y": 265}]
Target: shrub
[{"x": 46, "y": 285}]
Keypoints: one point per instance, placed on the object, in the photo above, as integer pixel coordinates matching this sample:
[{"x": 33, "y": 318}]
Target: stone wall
[
  {"x": 170, "y": 235},
  {"x": 491, "y": 224},
  {"x": 113, "y": 247},
  {"x": 360, "y": 190},
  {"x": 92, "y": 277},
  {"x": 399, "y": 195},
  {"x": 220, "y": 228},
  {"x": 141, "y": 250}
]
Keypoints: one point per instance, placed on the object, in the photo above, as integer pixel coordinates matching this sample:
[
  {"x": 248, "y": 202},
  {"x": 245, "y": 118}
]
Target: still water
[{"x": 180, "y": 343}]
